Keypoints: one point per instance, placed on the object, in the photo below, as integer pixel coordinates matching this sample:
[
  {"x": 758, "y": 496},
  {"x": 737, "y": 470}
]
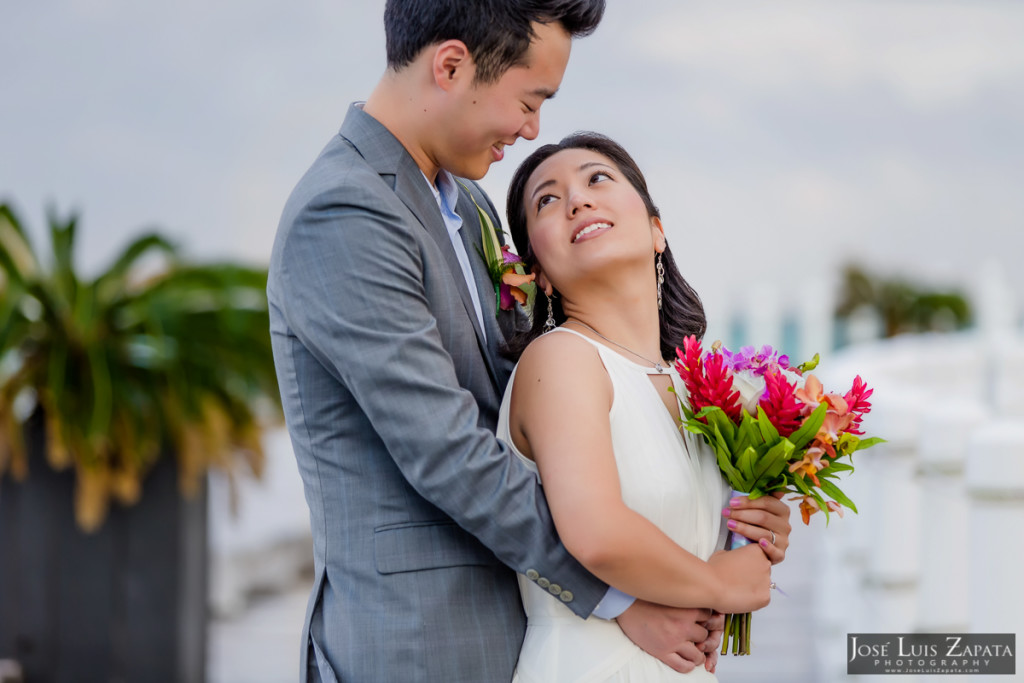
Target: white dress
[{"x": 675, "y": 484}]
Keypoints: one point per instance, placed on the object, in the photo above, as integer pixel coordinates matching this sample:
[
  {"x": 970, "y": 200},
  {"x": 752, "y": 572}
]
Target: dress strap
[
  {"x": 580, "y": 335},
  {"x": 604, "y": 350}
]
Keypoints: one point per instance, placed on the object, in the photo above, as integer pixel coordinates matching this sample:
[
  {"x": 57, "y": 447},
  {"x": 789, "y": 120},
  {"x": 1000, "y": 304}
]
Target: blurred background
[{"x": 830, "y": 174}]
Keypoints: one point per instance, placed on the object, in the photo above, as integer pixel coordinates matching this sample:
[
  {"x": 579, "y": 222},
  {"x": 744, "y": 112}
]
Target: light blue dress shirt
[{"x": 447, "y": 195}]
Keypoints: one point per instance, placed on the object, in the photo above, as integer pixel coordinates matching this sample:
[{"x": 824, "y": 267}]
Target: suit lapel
[
  {"x": 471, "y": 237},
  {"x": 390, "y": 159}
]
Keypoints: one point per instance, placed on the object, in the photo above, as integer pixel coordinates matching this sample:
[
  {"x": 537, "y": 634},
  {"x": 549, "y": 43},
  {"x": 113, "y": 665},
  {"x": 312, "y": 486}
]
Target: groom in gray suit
[{"x": 387, "y": 339}]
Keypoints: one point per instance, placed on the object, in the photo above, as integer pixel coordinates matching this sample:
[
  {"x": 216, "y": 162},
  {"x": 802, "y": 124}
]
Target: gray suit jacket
[{"x": 391, "y": 397}]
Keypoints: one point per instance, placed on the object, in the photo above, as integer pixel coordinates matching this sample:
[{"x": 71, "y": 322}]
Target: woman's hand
[
  {"x": 764, "y": 521},
  {"x": 742, "y": 580}
]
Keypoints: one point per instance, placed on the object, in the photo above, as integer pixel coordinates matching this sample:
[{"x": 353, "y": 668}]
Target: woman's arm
[{"x": 559, "y": 417}]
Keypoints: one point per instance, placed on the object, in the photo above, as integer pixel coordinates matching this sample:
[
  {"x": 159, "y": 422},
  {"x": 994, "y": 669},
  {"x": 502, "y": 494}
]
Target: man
[{"x": 386, "y": 337}]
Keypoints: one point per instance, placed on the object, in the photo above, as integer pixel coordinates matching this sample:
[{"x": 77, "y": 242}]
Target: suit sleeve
[{"x": 352, "y": 274}]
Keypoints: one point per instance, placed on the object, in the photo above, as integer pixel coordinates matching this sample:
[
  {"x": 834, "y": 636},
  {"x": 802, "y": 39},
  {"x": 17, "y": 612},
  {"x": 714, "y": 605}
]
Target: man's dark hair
[
  {"x": 682, "y": 313},
  {"x": 496, "y": 32}
]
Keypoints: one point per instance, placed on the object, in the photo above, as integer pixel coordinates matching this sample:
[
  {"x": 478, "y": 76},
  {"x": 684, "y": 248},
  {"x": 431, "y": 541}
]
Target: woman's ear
[
  {"x": 452, "y": 63},
  {"x": 658, "y": 234},
  {"x": 542, "y": 281}
]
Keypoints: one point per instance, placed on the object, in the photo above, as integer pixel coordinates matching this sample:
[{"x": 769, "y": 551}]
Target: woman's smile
[{"x": 590, "y": 229}]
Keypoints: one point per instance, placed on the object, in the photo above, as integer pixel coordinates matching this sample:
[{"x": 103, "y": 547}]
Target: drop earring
[
  {"x": 660, "y": 269},
  {"x": 550, "y": 323}
]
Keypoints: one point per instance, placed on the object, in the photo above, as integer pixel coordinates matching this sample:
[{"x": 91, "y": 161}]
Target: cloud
[{"x": 928, "y": 54}]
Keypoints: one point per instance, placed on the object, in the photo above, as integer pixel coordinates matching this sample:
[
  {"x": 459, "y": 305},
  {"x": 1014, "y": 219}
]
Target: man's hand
[
  {"x": 673, "y": 635},
  {"x": 716, "y": 629}
]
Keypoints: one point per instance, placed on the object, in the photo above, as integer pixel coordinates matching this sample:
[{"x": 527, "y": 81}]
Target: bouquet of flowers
[{"x": 773, "y": 428}]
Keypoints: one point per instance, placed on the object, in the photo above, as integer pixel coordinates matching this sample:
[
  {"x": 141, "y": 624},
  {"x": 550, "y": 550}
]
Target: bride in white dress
[{"x": 639, "y": 502}]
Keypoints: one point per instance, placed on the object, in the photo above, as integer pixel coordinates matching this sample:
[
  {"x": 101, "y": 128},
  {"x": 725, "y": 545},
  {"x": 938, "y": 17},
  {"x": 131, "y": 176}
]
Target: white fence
[{"x": 935, "y": 547}]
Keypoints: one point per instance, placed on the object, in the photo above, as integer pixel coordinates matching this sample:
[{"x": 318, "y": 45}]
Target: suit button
[
  {"x": 543, "y": 583},
  {"x": 554, "y": 589},
  {"x": 532, "y": 574},
  {"x": 566, "y": 596}
]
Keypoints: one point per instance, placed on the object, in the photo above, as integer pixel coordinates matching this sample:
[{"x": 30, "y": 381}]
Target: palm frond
[
  {"x": 17, "y": 258},
  {"x": 126, "y": 367}
]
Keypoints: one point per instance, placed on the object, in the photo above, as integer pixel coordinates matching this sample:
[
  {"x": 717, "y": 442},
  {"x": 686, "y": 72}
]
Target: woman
[{"x": 634, "y": 498}]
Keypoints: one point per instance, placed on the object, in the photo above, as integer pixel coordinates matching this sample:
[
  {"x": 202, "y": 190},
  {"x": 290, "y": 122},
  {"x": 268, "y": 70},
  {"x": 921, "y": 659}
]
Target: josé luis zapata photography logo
[{"x": 931, "y": 653}]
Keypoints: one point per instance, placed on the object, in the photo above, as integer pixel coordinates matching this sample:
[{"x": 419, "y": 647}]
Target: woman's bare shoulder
[{"x": 562, "y": 360}]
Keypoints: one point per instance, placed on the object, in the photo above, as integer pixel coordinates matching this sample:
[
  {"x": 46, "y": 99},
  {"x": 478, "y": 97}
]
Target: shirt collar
[{"x": 446, "y": 193}]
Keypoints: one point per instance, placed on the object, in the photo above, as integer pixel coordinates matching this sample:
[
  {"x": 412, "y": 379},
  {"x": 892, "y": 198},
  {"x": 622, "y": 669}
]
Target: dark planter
[{"x": 126, "y": 603}]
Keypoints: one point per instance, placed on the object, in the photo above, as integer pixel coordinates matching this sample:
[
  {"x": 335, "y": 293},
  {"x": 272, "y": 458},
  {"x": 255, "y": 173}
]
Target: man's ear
[
  {"x": 658, "y": 234},
  {"x": 452, "y": 63}
]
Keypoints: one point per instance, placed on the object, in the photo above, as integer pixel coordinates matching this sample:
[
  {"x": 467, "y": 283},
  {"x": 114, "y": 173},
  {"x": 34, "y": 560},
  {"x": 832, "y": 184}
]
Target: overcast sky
[{"x": 780, "y": 139}]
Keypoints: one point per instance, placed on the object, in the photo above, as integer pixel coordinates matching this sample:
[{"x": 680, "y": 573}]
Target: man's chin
[{"x": 473, "y": 171}]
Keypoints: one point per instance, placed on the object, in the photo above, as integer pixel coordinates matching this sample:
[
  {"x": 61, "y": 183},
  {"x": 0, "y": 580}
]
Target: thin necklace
[{"x": 657, "y": 364}]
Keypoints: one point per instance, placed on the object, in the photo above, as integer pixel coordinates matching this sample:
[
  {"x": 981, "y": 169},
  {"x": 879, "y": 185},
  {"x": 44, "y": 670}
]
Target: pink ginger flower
[
  {"x": 708, "y": 380},
  {"x": 779, "y": 403},
  {"x": 857, "y": 398}
]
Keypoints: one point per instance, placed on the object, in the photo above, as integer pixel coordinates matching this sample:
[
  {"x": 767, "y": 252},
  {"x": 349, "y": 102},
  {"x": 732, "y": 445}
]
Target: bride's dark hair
[{"x": 682, "y": 313}]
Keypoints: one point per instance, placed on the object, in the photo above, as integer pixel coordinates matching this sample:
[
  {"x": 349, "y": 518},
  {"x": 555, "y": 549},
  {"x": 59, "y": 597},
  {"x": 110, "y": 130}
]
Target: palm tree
[
  {"x": 130, "y": 366},
  {"x": 900, "y": 306}
]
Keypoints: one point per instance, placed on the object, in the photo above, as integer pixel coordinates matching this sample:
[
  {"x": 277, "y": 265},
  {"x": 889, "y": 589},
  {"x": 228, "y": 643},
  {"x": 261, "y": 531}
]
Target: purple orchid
[{"x": 756, "y": 361}]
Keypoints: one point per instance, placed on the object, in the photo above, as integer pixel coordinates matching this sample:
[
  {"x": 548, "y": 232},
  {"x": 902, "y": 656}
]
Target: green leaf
[
  {"x": 748, "y": 434},
  {"x": 745, "y": 464},
  {"x": 719, "y": 439},
  {"x": 732, "y": 475},
  {"x": 488, "y": 237},
  {"x": 771, "y": 464},
  {"x": 102, "y": 394},
  {"x": 799, "y": 482},
  {"x": 833, "y": 492},
  {"x": 725, "y": 427},
  {"x": 62, "y": 275},
  {"x": 704, "y": 430},
  {"x": 113, "y": 282},
  {"x": 707, "y": 410},
  {"x": 810, "y": 427},
  {"x": 768, "y": 430},
  {"x": 868, "y": 443},
  {"x": 17, "y": 260}
]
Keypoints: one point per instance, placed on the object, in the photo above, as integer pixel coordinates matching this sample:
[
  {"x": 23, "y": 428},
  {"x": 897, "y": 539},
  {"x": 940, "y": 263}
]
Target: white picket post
[
  {"x": 942, "y": 601},
  {"x": 995, "y": 485},
  {"x": 893, "y": 562}
]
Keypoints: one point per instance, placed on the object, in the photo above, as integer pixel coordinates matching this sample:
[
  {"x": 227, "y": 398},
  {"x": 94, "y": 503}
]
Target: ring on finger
[{"x": 773, "y": 536}]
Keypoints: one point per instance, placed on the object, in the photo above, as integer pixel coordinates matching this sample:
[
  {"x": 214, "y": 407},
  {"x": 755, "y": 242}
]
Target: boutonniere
[{"x": 508, "y": 274}]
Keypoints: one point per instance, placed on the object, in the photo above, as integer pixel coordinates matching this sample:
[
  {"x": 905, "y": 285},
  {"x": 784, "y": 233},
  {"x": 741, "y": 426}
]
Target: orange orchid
[
  {"x": 811, "y": 464},
  {"x": 511, "y": 284},
  {"x": 808, "y": 506},
  {"x": 836, "y": 422},
  {"x": 811, "y": 394}
]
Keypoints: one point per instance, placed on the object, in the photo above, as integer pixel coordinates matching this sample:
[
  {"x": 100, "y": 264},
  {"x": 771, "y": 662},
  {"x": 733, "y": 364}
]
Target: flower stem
[{"x": 746, "y": 642}]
